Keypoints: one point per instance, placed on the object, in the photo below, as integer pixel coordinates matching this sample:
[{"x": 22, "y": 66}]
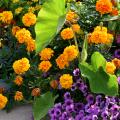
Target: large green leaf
[
  {"x": 99, "y": 80},
  {"x": 97, "y": 60},
  {"x": 50, "y": 20},
  {"x": 42, "y": 104}
]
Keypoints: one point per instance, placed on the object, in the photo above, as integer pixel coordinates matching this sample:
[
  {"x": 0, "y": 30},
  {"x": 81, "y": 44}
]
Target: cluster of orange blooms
[
  {"x": 100, "y": 36},
  {"x": 24, "y": 36},
  {"x": 69, "y": 54},
  {"x": 112, "y": 66},
  {"x": 106, "y": 6},
  {"x": 45, "y": 56},
  {"x": 3, "y": 101}
]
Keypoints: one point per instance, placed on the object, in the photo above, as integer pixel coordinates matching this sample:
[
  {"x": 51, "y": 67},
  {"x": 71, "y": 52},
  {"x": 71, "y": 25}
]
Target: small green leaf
[
  {"x": 97, "y": 61},
  {"x": 42, "y": 104},
  {"x": 50, "y": 20}
]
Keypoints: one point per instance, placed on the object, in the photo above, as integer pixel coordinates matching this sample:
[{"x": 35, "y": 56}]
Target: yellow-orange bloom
[
  {"x": 3, "y": 101},
  {"x": 46, "y": 54},
  {"x": 30, "y": 45},
  {"x": 18, "y": 96},
  {"x": 15, "y": 29},
  {"x": 18, "y": 10},
  {"x": 114, "y": 12},
  {"x": 116, "y": 62},
  {"x": 36, "y": 92},
  {"x": 104, "y": 6},
  {"x": 67, "y": 34},
  {"x": 6, "y": 17},
  {"x": 66, "y": 81},
  {"x": 62, "y": 61},
  {"x": 76, "y": 28},
  {"x": 100, "y": 28},
  {"x": 23, "y": 35},
  {"x": 45, "y": 66},
  {"x": 71, "y": 17},
  {"x": 18, "y": 80},
  {"x": 110, "y": 67},
  {"x": 21, "y": 66},
  {"x": 29, "y": 19},
  {"x": 31, "y": 9},
  {"x": 71, "y": 51}
]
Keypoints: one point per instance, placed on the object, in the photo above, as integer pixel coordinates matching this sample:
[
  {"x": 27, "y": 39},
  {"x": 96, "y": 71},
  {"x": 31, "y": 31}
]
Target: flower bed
[{"x": 62, "y": 56}]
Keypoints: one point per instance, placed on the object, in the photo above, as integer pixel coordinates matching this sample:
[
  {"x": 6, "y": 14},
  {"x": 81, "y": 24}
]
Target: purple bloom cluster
[{"x": 93, "y": 107}]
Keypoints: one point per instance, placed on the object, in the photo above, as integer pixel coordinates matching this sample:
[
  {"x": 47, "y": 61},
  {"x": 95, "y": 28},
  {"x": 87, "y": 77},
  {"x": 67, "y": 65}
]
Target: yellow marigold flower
[
  {"x": 6, "y": 17},
  {"x": 35, "y": 0},
  {"x": 46, "y": 54},
  {"x": 37, "y": 7},
  {"x": 18, "y": 96},
  {"x": 76, "y": 28},
  {"x": 15, "y": 29},
  {"x": 110, "y": 67},
  {"x": 99, "y": 28},
  {"x": 44, "y": 66},
  {"x": 29, "y": 19},
  {"x": 18, "y": 80},
  {"x": 3, "y": 101},
  {"x": 104, "y": 6},
  {"x": 62, "y": 61},
  {"x": 23, "y": 35},
  {"x": 30, "y": 45},
  {"x": 67, "y": 34},
  {"x": 66, "y": 81},
  {"x": 15, "y": 1},
  {"x": 21, "y": 66},
  {"x": 116, "y": 62},
  {"x": 31, "y": 9},
  {"x": 18, "y": 10},
  {"x": 72, "y": 17},
  {"x": 71, "y": 52}
]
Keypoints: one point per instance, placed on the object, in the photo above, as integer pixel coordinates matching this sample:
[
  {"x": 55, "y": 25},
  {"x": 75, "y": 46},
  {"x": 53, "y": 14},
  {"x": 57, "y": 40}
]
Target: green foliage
[
  {"x": 42, "y": 104},
  {"x": 50, "y": 20},
  {"x": 99, "y": 80}
]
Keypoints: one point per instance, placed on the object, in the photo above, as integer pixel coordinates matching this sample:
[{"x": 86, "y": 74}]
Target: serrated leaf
[
  {"x": 42, "y": 104},
  {"x": 50, "y": 20}
]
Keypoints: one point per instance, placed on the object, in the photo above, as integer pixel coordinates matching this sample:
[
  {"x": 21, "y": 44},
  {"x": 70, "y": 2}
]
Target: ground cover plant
[{"x": 62, "y": 56}]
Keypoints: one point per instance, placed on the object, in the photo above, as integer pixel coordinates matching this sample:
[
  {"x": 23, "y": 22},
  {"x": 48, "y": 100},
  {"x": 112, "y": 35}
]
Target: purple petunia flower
[
  {"x": 118, "y": 80},
  {"x": 118, "y": 39},
  {"x": 117, "y": 53}
]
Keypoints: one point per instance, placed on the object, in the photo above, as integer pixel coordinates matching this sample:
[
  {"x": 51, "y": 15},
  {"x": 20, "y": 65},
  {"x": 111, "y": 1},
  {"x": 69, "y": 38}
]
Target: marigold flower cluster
[
  {"x": 6, "y": 17},
  {"x": 104, "y": 6},
  {"x": 100, "y": 36},
  {"x": 18, "y": 96},
  {"x": 69, "y": 54},
  {"x": 3, "y": 101},
  {"x": 66, "y": 81},
  {"x": 21, "y": 66},
  {"x": 29, "y": 19},
  {"x": 18, "y": 80},
  {"x": 46, "y": 54}
]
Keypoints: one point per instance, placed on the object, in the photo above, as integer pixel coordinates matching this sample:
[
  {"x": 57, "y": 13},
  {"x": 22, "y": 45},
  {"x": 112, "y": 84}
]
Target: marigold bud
[{"x": 36, "y": 92}]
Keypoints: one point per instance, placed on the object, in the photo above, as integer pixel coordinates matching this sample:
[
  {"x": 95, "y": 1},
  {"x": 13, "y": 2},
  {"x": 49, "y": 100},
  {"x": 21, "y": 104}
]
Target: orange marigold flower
[
  {"x": 104, "y": 6},
  {"x": 110, "y": 67},
  {"x": 76, "y": 28},
  {"x": 23, "y": 35},
  {"x": 114, "y": 12},
  {"x": 30, "y": 45},
  {"x": 71, "y": 17},
  {"x": 67, "y": 34},
  {"x": 29, "y": 19},
  {"x": 3, "y": 101},
  {"x": 116, "y": 62},
  {"x": 46, "y": 54},
  {"x": 44, "y": 66},
  {"x": 18, "y": 96},
  {"x": 15, "y": 29},
  {"x": 21, "y": 66},
  {"x": 66, "y": 81},
  {"x": 18, "y": 80},
  {"x": 71, "y": 51},
  {"x": 36, "y": 92},
  {"x": 54, "y": 84},
  {"x": 62, "y": 61},
  {"x": 6, "y": 17}
]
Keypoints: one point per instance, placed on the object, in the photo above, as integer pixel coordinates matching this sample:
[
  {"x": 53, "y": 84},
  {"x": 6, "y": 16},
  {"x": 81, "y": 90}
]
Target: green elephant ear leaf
[
  {"x": 49, "y": 22},
  {"x": 100, "y": 81}
]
